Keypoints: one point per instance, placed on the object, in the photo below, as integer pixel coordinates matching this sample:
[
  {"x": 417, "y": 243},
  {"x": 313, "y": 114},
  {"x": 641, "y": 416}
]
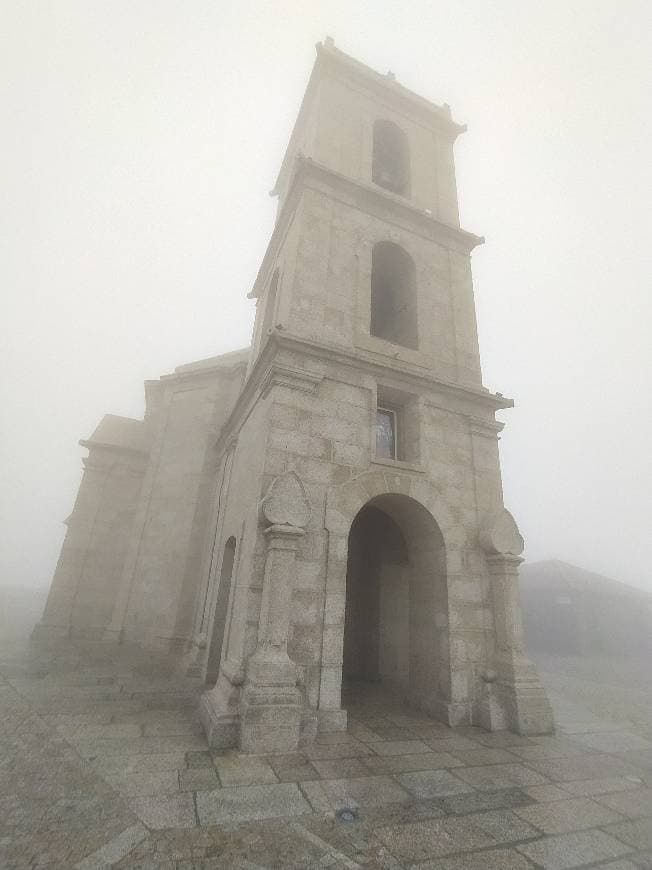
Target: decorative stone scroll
[
  {"x": 501, "y": 535},
  {"x": 286, "y": 502}
]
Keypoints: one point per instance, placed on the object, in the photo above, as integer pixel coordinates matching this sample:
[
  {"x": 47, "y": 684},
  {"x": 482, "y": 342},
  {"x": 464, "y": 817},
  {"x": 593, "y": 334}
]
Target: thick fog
[{"x": 141, "y": 138}]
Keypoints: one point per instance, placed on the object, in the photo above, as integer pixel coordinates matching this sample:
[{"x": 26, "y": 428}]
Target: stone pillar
[
  {"x": 258, "y": 705},
  {"x": 513, "y": 696},
  {"x": 271, "y": 707}
]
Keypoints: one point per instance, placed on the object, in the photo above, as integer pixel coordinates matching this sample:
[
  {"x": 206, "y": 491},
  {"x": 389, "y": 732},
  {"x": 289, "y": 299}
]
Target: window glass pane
[{"x": 385, "y": 434}]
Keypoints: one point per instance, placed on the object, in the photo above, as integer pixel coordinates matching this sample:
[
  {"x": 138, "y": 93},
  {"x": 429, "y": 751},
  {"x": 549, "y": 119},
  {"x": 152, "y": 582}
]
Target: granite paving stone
[
  {"x": 573, "y": 850},
  {"x": 420, "y": 841},
  {"x": 236, "y": 769},
  {"x": 337, "y": 750},
  {"x": 399, "y": 747},
  {"x": 635, "y": 804},
  {"x": 293, "y": 767},
  {"x": 140, "y": 783},
  {"x": 544, "y": 793},
  {"x": 618, "y": 741},
  {"x": 588, "y": 766},
  {"x": 363, "y": 791},
  {"x": 504, "y": 826},
  {"x": 338, "y": 768},
  {"x": 476, "y": 801},
  {"x": 243, "y": 803},
  {"x": 559, "y": 817},
  {"x": 406, "y": 763},
  {"x": 475, "y": 757},
  {"x": 165, "y": 811},
  {"x": 432, "y": 783},
  {"x": 500, "y": 776},
  {"x": 588, "y": 787},
  {"x": 637, "y": 833},
  {"x": 198, "y": 779},
  {"x": 487, "y": 859}
]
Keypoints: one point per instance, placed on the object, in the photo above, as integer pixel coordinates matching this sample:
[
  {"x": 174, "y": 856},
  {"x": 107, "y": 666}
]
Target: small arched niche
[
  {"x": 391, "y": 158},
  {"x": 221, "y": 607},
  {"x": 393, "y": 295}
]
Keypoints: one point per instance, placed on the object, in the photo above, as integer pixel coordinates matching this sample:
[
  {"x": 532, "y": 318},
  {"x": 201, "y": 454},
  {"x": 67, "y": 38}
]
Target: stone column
[
  {"x": 513, "y": 696},
  {"x": 271, "y": 706}
]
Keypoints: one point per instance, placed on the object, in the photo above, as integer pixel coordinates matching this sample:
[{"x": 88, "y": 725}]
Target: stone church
[{"x": 324, "y": 509}]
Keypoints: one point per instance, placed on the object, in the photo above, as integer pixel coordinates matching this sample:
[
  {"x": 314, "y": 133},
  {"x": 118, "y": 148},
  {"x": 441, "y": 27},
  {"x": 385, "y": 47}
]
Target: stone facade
[{"x": 255, "y": 525}]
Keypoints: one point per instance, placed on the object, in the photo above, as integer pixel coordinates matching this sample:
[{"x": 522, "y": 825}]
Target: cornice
[
  {"x": 331, "y": 60},
  {"x": 89, "y": 444},
  {"x": 366, "y": 197},
  {"x": 267, "y": 372}
]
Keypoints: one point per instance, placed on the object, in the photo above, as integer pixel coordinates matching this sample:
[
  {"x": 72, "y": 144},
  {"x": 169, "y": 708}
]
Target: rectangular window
[{"x": 386, "y": 435}]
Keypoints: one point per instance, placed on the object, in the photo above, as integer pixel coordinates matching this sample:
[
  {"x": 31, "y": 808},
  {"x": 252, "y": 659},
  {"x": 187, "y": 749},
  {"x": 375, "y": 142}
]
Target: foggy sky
[{"x": 141, "y": 139}]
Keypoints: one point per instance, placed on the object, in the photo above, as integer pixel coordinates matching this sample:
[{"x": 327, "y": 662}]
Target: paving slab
[
  {"x": 573, "y": 850},
  {"x": 368, "y": 791},
  {"x": 153, "y": 783},
  {"x": 475, "y": 757},
  {"x": 476, "y": 801},
  {"x": 637, "y": 833},
  {"x": 487, "y": 859},
  {"x": 432, "y": 783},
  {"x": 420, "y": 841},
  {"x": 618, "y": 741},
  {"x": 399, "y": 747},
  {"x": 243, "y": 803},
  {"x": 495, "y": 776},
  {"x": 588, "y": 766},
  {"x": 406, "y": 763},
  {"x": 635, "y": 804},
  {"x": 198, "y": 779},
  {"x": 560, "y": 817},
  {"x": 236, "y": 769},
  {"x": 544, "y": 793},
  {"x": 165, "y": 811},
  {"x": 602, "y": 786}
]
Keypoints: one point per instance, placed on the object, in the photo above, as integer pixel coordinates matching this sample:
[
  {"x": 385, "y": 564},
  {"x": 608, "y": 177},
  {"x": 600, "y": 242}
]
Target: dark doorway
[{"x": 395, "y": 587}]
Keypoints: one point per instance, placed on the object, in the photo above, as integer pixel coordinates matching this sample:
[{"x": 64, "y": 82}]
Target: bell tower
[
  {"x": 367, "y": 253},
  {"x": 363, "y": 436}
]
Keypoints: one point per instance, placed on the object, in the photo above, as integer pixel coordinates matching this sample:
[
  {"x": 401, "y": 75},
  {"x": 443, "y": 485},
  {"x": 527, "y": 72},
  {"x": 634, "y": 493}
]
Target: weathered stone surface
[{"x": 229, "y": 528}]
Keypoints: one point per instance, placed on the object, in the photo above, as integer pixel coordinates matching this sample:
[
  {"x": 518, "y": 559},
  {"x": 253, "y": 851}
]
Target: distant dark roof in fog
[{"x": 558, "y": 575}]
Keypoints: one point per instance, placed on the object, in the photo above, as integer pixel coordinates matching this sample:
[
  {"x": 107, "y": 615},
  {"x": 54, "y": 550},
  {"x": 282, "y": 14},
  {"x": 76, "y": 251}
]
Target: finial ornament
[
  {"x": 501, "y": 535},
  {"x": 286, "y": 502}
]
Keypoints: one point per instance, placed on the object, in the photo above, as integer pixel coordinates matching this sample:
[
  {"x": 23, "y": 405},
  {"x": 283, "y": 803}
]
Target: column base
[
  {"x": 270, "y": 719},
  {"x": 331, "y": 720},
  {"x": 520, "y": 693},
  {"x": 222, "y": 731}
]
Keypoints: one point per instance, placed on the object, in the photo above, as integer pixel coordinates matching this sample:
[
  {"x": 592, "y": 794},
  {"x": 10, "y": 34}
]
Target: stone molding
[
  {"x": 286, "y": 376},
  {"x": 485, "y": 428}
]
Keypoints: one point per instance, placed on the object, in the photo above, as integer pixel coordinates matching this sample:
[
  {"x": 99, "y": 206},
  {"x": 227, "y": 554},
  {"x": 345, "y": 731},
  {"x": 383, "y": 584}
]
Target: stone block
[
  {"x": 250, "y": 803},
  {"x": 573, "y": 850}
]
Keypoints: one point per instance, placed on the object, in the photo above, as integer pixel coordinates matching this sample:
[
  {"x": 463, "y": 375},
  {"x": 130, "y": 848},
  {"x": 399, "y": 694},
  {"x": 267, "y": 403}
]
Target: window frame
[{"x": 394, "y": 413}]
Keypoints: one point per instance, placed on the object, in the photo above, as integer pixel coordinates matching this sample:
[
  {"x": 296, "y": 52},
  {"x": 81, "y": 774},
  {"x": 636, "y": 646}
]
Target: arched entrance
[{"x": 395, "y": 626}]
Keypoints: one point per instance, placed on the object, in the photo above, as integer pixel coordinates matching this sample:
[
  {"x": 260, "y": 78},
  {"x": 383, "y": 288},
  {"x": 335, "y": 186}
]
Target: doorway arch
[{"x": 395, "y": 622}]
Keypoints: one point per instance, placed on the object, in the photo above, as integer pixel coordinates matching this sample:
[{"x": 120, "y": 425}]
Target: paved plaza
[{"x": 104, "y": 764}]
